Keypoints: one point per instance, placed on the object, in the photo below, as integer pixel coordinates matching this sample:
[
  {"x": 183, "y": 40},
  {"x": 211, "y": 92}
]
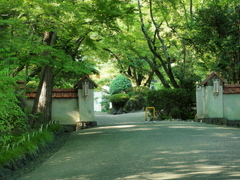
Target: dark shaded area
[{"x": 33, "y": 162}]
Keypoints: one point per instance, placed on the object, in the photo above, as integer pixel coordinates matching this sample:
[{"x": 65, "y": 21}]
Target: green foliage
[
  {"x": 119, "y": 99},
  {"x": 135, "y": 103},
  {"x": 138, "y": 90},
  {"x": 27, "y": 144},
  {"x": 188, "y": 80},
  {"x": 120, "y": 84},
  {"x": 12, "y": 117},
  {"x": 172, "y": 103},
  {"x": 215, "y": 37},
  {"x": 105, "y": 103},
  {"x": 25, "y": 147}
]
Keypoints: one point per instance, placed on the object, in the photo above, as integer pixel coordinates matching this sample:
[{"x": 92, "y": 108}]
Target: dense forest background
[{"x": 51, "y": 44}]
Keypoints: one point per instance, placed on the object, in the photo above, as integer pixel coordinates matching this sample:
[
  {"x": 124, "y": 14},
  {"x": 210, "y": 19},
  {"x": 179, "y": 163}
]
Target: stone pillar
[
  {"x": 86, "y": 105},
  {"x": 85, "y": 88},
  {"x": 199, "y": 101}
]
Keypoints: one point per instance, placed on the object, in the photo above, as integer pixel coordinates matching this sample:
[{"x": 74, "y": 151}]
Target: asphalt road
[{"x": 125, "y": 147}]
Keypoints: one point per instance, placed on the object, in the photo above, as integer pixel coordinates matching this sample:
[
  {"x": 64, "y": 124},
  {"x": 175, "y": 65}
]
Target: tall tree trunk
[
  {"x": 191, "y": 8},
  {"x": 166, "y": 64},
  {"x": 238, "y": 50},
  {"x": 43, "y": 100},
  {"x": 149, "y": 79},
  {"x": 167, "y": 68},
  {"x": 157, "y": 72}
]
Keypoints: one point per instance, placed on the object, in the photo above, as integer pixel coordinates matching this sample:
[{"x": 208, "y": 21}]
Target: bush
[
  {"x": 119, "y": 99},
  {"x": 26, "y": 146},
  {"x": 12, "y": 117},
  {"x": 120, "y": 84},
  {"x": 105, "y": 103},
  {"x": 172, "y": 103},
  {"x": 135, "y": 103},
  {"x": 138, "y": 90}
]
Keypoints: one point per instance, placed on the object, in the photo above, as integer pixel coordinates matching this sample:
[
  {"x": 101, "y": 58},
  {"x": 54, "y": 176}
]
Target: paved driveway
[{"x": 124, "y": 147}]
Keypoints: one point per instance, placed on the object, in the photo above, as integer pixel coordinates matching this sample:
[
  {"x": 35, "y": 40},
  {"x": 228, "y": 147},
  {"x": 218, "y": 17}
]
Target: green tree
[
  {"x": 215, "y": 36},
  {"x": 120, "y": 84},
  {"x": 52, "y": 38},
  {"x": 165, "y": 27},
  {"x": 12, "y": 117}
]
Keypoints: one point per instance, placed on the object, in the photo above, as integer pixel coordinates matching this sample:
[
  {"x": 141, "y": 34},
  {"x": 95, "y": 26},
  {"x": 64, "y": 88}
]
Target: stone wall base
[
  {"x": 69, "y": 128},
  {"x": 85, "y": 124},
  {"x": 220, "y": 121}
]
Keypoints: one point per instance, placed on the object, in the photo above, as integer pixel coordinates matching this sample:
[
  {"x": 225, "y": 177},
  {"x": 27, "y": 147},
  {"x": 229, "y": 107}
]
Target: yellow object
[{"x": 146, "y": 112}]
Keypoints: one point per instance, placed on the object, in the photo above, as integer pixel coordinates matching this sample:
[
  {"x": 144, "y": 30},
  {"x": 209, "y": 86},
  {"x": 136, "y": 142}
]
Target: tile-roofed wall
[
  {"x": 57, "y": 93},
  {"x": 231, "y": 89},
  {"x": 92, "y": 84},
  {"x": 212, "y": 74}
]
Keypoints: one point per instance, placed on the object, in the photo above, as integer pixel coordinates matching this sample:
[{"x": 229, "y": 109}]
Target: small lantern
[
  {"x": 216, "y": 87},
  {"x": 85, "y": 88}
]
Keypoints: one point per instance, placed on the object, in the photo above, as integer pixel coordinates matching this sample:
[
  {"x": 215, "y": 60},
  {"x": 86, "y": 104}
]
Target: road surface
[{"x": 125, "y": 147}]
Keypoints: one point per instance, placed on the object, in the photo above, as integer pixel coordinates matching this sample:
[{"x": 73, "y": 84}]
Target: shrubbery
[
  {"x": 119, "y": 99},
  {"x": 120, "y": 84},
  {"x": 172, "y": 103},
  {"x": 105, "y": 103},
  {"x": 12, "y": 117},
  {"x": 138, "y": 90},
  {"x": 135, "y": 103},
  {"x": 26, "y": 146},
  {"x": 124, "y": 97}
]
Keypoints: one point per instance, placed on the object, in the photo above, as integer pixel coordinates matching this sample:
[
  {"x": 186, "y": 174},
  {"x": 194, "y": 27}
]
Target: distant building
[{"x": 97, "y": 101}]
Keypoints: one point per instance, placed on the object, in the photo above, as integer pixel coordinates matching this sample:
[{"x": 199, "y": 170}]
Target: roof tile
[{"x": 210, "y": 76}]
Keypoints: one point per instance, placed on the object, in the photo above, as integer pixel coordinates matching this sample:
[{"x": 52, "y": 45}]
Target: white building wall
[
  {"x": 213, "y": 103},
  {"x": 86, "y": 105},
  {"x": 97, "y": 101},
  {"x": 199, "y": 101},
  {"x": 64, "y": 110},
  {"x": 232, "y": 106}
]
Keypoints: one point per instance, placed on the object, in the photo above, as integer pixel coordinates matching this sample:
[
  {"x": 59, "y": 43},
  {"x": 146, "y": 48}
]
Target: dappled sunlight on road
[
  {"x": 154, "y": 176},
  {"x": 188, "y": 170},
  {"x": 191, "y": 126},
  {"x": 88, "y": 133},
  {"x": 117, "y": 127},
  {"x": 139, "y": 150},
  {"x": 228, "y": 135},
  {"x": 138, "y": 129}
]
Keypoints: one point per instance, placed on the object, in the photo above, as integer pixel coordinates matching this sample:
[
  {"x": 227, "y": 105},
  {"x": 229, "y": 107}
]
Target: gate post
[{"x": 146, "y": 113}]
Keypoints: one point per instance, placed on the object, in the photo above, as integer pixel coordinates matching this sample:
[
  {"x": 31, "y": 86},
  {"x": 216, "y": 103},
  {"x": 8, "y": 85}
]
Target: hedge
[{"x": 172, "y": 103}]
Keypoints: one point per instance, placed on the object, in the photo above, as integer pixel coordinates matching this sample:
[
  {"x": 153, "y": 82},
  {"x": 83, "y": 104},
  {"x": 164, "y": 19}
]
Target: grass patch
[{"x": 27, "y": 146}]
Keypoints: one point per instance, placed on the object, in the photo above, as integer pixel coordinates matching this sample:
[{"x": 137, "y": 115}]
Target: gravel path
[{"x": 103, "y": 118}]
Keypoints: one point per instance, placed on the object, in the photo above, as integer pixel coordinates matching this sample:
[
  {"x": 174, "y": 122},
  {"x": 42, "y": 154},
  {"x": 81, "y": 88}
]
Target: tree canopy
[{"x": 49, "y": 44}]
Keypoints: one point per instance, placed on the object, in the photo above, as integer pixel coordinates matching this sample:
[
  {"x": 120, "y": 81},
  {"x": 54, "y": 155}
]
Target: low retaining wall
[
  {"x": 85, "y": 124},
  {"x": 220, "y": 121},
  {"x": 79, "y": 126}
]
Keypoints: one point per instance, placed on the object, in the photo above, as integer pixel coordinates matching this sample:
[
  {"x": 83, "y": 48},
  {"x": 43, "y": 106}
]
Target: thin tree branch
[{"x": 79, "y": 42}]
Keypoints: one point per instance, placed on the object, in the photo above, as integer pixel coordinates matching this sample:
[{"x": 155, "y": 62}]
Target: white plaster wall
[
  {"x": 64, "y": 110},
  {"x": 232, "y": 106},
  {"x": 213, "y": 104},
  {"x": 97, "y": 101},
  {"x": 199, "y": 100},
  {"x": 86, "y": 105}
]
